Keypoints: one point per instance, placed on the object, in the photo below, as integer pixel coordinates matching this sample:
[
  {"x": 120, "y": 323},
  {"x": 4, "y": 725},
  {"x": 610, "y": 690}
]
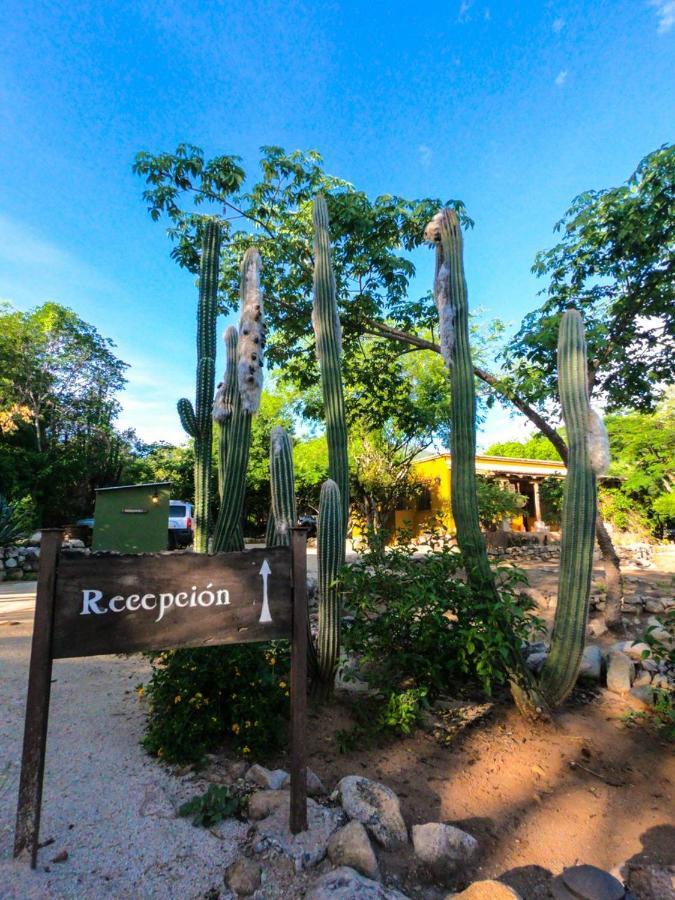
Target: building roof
[
  {"x": 122, "y": 487},
  {"x": 511, "y": 464}
]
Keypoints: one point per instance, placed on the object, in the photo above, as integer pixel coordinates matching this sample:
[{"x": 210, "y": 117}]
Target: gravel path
[{"x": 105, "y": 803}]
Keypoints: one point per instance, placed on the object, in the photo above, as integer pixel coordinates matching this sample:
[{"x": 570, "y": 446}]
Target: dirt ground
[{"x": 588, "y": 787}]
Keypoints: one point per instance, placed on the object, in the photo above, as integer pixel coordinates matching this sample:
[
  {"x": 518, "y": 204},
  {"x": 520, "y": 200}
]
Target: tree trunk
[
  {"x": 613, "y": 577},
  {"x": 610, "y": 558}
]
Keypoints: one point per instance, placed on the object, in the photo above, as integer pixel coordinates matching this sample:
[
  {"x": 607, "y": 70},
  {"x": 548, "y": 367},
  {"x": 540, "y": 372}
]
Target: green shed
[{"x": 132, "y": 518}]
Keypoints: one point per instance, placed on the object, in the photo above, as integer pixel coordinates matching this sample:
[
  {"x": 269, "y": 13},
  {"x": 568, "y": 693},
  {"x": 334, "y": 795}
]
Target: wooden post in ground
[
  {"x": 298, "y": 816},
  {"x": 37, "y": 703}
]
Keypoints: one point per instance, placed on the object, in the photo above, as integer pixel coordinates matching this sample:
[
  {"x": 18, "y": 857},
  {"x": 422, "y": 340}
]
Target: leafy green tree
[
  {"x": 58, "y": 405},
  {"x": 496, "y": 503},
  {"x": 615, "y": 262},
  {"x": 162, "y": 461},
  {"x": 535, "y": 447}
]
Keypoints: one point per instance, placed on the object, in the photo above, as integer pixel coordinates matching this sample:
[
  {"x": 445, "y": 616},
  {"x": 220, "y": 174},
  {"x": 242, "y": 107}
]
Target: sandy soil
[{"x": 589, "y": 787}]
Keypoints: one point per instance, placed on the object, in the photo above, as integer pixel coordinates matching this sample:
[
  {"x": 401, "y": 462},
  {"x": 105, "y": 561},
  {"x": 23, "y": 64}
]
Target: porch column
[{"x": 537, "y": 500}]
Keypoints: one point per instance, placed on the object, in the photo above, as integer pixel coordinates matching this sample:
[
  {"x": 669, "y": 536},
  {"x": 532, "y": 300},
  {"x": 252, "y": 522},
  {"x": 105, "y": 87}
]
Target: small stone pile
[{"x": 19, "y": 562}]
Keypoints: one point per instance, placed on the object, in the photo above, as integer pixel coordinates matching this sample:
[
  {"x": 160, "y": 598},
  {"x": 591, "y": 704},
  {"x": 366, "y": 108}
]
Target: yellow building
[{"x": 522, "y": 475}]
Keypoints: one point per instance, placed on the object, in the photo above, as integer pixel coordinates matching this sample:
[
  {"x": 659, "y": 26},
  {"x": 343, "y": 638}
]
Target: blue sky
[{"x": 512, "y": 107}]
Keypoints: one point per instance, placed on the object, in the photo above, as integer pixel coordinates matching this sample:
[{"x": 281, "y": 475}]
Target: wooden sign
[{"x": 102, "y": 604}]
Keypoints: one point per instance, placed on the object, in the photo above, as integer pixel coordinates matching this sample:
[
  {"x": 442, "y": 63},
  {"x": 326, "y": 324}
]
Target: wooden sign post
[{"x": 122, "y": 604}]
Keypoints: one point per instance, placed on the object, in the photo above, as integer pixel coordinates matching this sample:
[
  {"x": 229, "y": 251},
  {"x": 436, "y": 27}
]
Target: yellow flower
[
  {"x": 140, "y": 690},
  {"x": 286, "y": 694},
  {"x": 236, "y": 728},
  {"x": 247, "y": 724},
  {"x": 282, "y": 684},
  {"x": 246, "y": 750},
  {"x": 177, "y": 698}
]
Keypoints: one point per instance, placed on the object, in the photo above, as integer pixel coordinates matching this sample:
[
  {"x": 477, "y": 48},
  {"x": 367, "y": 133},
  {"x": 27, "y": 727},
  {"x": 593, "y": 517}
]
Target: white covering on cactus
[
  {"x": 446, "y": 315},
  {"x": 598, "y": 443},
  {"x": 251, "y": 342}
]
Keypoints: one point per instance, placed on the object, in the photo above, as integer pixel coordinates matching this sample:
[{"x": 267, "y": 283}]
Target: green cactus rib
[
  {"x": 451, "y": 296},
  {"x": 578, "y": 517},
  {"x": 197, "y": 420},
  {"x": 330, "y": 549},
  {"x": 224, "y": 407},
  {"x": 270, "y": 530},
  {"x": 282, "y": 485},
  {"x": 227, "y": 535},
  {"x": 329, "y": 351}
]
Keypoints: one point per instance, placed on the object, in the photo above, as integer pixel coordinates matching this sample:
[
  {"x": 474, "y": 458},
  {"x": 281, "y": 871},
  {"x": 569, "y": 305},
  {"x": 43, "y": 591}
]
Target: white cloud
[
  {"x": 665, "y": 11},
  {"x": 426, "y": 155},
  {"x": 149, "y": 400},
  {"x": 558, "y": 25},
  {"x": 464, "y": 8},
  {"x": 561, "y": 78}
]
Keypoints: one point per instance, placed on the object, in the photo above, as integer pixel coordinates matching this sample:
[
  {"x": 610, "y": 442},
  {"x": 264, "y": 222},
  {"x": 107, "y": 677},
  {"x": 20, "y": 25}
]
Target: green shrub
[
  {"x": 211, "y": 807},
  {"x": 417, "y": 624},
  {"x": 200, "y": 698}
]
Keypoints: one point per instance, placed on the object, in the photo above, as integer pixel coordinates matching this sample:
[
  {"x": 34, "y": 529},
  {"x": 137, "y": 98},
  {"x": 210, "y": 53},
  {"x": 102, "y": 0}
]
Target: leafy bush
[
  {"x": 496, "y": 503},
  {"x": 211, "y": 807},
  {"x": 417, "y": 624},
  {"x": 16, "y": 519},
  {"x": 199, "y": 698}
]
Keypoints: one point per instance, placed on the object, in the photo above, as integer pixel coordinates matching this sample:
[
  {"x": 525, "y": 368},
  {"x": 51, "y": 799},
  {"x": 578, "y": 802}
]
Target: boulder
[
  {"x": 586, "y": 883},
  {"x": 642, "y": 679},
  {"x": 270, "y": 780},
  {"x": 262, "y": 803},
  {"x": 620, "y": 672},
  {"x": 635, "y": 649},
  {"x": 651, "y": 882},
  {"x": 350, "y": 846},
  {"x": 535, "y": 661},
  {"x": 486, "y": 890},
  {"x": 655, "y": 605},
  {"x": 641, "y": 697},
  {"x": 597, "y": 628},
  {"x": 591, "y": 664},
  {"x": 443, "y": 849},
  {"x": 375, "y": 806},
  {"x": 243, "y": 876},
  {"x": 346, "y": 884},
  {"x": 11, "y": 563},
  {"x": 307, "y": 848},
  {"x": 315, "y": 787}
]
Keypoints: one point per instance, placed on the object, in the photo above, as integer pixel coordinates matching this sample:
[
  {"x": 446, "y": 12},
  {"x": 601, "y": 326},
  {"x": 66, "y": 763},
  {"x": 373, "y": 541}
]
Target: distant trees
[{"x": 58, "y": 384}]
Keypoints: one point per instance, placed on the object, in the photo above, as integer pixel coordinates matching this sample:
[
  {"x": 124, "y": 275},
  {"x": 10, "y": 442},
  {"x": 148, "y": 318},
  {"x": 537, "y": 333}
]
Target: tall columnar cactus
[
  {"x": 225, "y": 404},
  {"x": 283, "y": 515},
  {"x": 451, "y": 296},
  {"x": 245, "y": 400},
  {"x": 197, "y": 420},
  {"x": 330, "y": 557},
  {"x": 326, "y": 323},
  {"x": 588, "y": 457}
]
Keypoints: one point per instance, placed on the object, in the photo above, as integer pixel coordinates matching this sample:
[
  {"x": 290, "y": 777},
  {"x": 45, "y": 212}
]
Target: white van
[{"x": 180, "y": 524}]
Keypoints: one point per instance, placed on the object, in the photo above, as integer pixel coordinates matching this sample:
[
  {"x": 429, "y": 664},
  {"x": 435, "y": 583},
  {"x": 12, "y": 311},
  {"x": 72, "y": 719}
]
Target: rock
[
  {"x": 486, "y": 890},
  {"x": 536, "y": 647},
  {"x": 591, "y": 664},
  {"x": 264, "y": 778},
  {"x": 307, "y": 848},
  {"x": 642, "y": 679},
  {"x": 655, "y": 605},
  {"x": 375, "y": 806},
  {"x": 443, "y": 848},
  {"x": 641, "y": 697},
  {"x": 535, "y": 661},
  {"x": 74, "y": 544},
  {"x": 262, "y": 803},
  {"x": 350, "y": 846},
  {"x": 237, "y": 768},
  {"x": 11, "y": 563},
  {"x": 315, "y": 786},
  {"x": 597, "y": 628},
  {"x": 635, "y": 649},
  {"x": 586, "y": 883},
  {"x": 651, "y": 882},
  {"x": 243, "y": 876},
  {"x": 660, "y": 682},
  {"x": 36, "y": 537},
  {"x": 346, "y": 884},
  {"x": 620, "y": 672}
]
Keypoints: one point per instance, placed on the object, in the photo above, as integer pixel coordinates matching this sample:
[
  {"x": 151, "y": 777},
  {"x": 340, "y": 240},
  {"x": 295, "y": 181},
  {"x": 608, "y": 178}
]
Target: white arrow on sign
[{"x": 265, "y": 571}]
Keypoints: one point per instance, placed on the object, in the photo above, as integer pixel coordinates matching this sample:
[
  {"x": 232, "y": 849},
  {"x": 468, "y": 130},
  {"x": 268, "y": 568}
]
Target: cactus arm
[
  {"x": 240, "y": 398},
  {"x": 326, "y": 324},
  {"x": 587, "y": 449},
  {"x": 330, "y": 550},
  {"x": 451, "y": 296},
  {"x": 197, "y": 420},
  {"x": 187, "y": 416},
  {"x": 283, "y": 513}
]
